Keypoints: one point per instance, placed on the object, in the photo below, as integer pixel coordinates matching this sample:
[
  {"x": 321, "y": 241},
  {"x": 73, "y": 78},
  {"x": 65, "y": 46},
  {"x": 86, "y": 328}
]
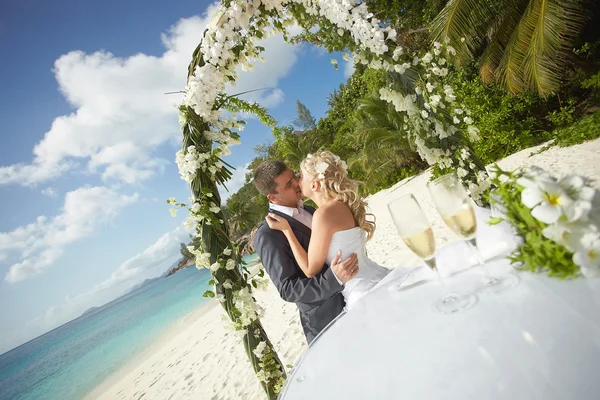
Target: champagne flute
[
  {"x": 453, "y": 203},
  {"x": 414, "y": 228}
]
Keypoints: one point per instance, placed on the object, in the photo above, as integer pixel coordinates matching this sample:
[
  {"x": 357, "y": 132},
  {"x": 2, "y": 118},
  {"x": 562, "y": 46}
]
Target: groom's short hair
[{"x": 265, "y": 175}]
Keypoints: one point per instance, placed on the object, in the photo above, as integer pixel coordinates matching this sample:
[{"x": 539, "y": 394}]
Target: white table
[{"x": 539, "y": 340}]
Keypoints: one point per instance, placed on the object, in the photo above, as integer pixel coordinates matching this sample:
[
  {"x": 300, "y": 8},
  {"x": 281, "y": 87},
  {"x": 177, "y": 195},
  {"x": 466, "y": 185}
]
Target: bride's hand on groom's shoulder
[
  {"x": 346, "y": 269},
  {"x": 277, "y": 223}
]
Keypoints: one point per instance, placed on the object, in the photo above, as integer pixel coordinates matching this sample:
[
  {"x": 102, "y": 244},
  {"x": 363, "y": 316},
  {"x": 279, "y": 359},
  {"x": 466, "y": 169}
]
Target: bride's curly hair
[{"x": 336, "y": 185}]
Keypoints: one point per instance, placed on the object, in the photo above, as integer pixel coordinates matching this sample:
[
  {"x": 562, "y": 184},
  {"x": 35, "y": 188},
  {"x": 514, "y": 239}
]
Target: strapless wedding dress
[{"x": 369, "y": 274}]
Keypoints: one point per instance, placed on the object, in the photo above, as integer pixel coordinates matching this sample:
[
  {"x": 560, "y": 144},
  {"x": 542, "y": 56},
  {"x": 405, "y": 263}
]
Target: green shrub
[{"x": 587, "y": 128}]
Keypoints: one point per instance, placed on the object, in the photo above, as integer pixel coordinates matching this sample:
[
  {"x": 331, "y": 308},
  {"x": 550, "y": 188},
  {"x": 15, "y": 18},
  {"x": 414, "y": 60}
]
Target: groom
[{"x": 319, "y": 298}]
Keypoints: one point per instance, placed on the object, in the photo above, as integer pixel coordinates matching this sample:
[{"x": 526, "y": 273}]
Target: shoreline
[{"x": 154, "y": 347}]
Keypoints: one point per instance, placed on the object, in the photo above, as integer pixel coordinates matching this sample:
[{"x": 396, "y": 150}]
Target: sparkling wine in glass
[
  {"x": 454, "y": 205},
  {"x": 416, "y": 233}
]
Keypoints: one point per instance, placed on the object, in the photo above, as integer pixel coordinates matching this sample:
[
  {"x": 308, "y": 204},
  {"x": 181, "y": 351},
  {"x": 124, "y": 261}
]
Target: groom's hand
[{"x": 346, "y": 269}]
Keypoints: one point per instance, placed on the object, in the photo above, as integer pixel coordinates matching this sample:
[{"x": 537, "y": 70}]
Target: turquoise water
[{"x": 69, "y": 361}]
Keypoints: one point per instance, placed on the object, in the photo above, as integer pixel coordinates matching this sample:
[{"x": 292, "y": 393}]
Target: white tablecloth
[{"x": 539, "y": 340}]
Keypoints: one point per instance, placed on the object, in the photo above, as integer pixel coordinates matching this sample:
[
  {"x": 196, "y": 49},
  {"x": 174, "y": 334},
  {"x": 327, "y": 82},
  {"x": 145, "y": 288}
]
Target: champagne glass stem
[
  {"x": 433, "y": 265},
  {"x": 472, "y": 243}
]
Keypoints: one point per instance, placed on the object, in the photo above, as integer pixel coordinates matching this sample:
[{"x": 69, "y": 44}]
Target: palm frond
[
  {"x": 552, "y": 27},
  {"x": 465, "y": 19},
  {"x": 500, "y": 35}
]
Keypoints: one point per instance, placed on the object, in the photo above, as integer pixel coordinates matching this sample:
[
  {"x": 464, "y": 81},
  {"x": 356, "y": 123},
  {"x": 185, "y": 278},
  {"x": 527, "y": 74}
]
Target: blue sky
[{"x": 87, "y": 145}]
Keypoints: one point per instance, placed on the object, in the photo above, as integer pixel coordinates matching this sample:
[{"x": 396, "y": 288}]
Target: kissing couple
[{"x": 316, "y": 258}]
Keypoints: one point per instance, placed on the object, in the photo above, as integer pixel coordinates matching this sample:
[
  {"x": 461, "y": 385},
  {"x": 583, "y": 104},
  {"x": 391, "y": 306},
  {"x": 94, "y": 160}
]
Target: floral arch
[{"x": 434, "y": 120}]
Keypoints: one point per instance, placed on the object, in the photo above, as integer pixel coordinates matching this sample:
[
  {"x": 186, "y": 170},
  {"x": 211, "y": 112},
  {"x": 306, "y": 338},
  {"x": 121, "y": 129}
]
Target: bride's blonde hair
[{"x": 330, "y": 171}]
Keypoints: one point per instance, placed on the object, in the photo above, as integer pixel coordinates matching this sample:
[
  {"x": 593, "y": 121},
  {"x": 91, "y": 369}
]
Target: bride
[{"x": 340, "y": 222}]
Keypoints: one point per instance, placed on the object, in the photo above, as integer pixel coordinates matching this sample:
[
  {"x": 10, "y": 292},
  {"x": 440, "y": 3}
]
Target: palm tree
[
  {"x": 242, "y": 215},
  {"x": 381, "y": 135},
  {"x": 521, "y": 44},
  {"x": 296, "y": 145}
]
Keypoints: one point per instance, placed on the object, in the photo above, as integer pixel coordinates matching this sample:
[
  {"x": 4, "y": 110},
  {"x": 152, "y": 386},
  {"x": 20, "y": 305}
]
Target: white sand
[{"x": 199, "y": 359}]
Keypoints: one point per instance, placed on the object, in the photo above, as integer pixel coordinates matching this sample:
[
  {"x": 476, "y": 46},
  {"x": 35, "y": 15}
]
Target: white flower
[
  {"x": 588, "y": 258},
  {"x": 546, "y": 199},
  {"x": 202, "y": 260},
  {"x": 473, "y": 133},
  {"x": 569, "y": 234},
  {"x": 215, "y": 266},
  {"x": 424, "y": 114},
  {"x": 173, "y": 212},
  {"x": 227, "y": 284},
  {"x": 259, "y": 350},
  {"x": 427, "y": 57},
  {"x": 230, "y": 264},
  {"x": 461, "y": 172},
  {"x": 582, "y": 195},
  {"x": 214, "y": 208},
  {"x": 227, "y": 251},
  {"x": 189, "y": 222},
  {"x": 391, "y": 34},
  {"x": 195, "y": 207},
  {"x": 435, "y": 99},
  {"x": 468, "y": 120},
  {"x": 320, "y": 168},
  {"x": 220, "y": 297},
  {"x": 429, "y": 87}
]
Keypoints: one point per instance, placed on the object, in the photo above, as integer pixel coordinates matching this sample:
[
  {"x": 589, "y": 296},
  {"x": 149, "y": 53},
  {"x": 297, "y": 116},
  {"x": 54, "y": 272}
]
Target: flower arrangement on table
[{"x": 558, "y": 220}]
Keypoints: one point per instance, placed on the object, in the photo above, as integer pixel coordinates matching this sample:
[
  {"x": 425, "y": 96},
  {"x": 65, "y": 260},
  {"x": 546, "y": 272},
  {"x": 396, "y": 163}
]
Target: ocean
[{"x": 69, "y": 361}]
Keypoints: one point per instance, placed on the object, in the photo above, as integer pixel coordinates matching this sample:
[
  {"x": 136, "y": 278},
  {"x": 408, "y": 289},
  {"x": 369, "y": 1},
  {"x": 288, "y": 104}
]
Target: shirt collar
[{"x": 291, "y": 211}]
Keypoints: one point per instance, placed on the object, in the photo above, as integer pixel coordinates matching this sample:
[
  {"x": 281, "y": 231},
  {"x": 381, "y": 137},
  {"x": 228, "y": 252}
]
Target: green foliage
[
  {"x": 564, "y": 115},
  {"x": 537, "y": 253},
  {"x": 380, "y": 134},
  {"x": 507, "y": 123},
  {"x": 524, "y": 45},
  {"x": 246, "y": 209},
  {"x": 588, "y": 128}
]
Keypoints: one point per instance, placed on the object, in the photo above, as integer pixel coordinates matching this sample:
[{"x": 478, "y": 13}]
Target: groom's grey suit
[{"x": 319, "y": 298}]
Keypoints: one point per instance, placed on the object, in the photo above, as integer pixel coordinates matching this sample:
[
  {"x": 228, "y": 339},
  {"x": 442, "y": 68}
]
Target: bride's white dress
[{"x": 369, "y": 274}]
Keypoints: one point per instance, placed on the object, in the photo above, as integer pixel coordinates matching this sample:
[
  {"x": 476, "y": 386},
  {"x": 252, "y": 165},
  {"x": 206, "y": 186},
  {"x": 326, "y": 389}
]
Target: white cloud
[
  {"x": 134, "y": 270},
  {"x": 122, "y": 113},
  {"x": 39, "y": 244},
  {"x": 50, "y": 192},
  {"x": 164, "y": 249}
]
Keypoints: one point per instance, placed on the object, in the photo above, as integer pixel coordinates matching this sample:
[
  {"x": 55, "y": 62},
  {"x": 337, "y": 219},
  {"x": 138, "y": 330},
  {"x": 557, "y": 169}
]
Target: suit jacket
[{"x": 319, "y": 299}]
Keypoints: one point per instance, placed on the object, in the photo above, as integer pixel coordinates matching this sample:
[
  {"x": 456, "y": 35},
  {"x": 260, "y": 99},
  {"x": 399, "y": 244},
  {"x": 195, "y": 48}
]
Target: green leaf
[
  {"x": 494, "y": 220},
  {"x": 208, "y": 293}
]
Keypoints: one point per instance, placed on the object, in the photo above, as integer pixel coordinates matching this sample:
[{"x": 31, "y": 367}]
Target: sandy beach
[{"x": 198, "y": 358}]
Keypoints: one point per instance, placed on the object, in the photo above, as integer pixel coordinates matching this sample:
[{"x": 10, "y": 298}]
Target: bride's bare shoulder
[{"x": 335, "y": 212}]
